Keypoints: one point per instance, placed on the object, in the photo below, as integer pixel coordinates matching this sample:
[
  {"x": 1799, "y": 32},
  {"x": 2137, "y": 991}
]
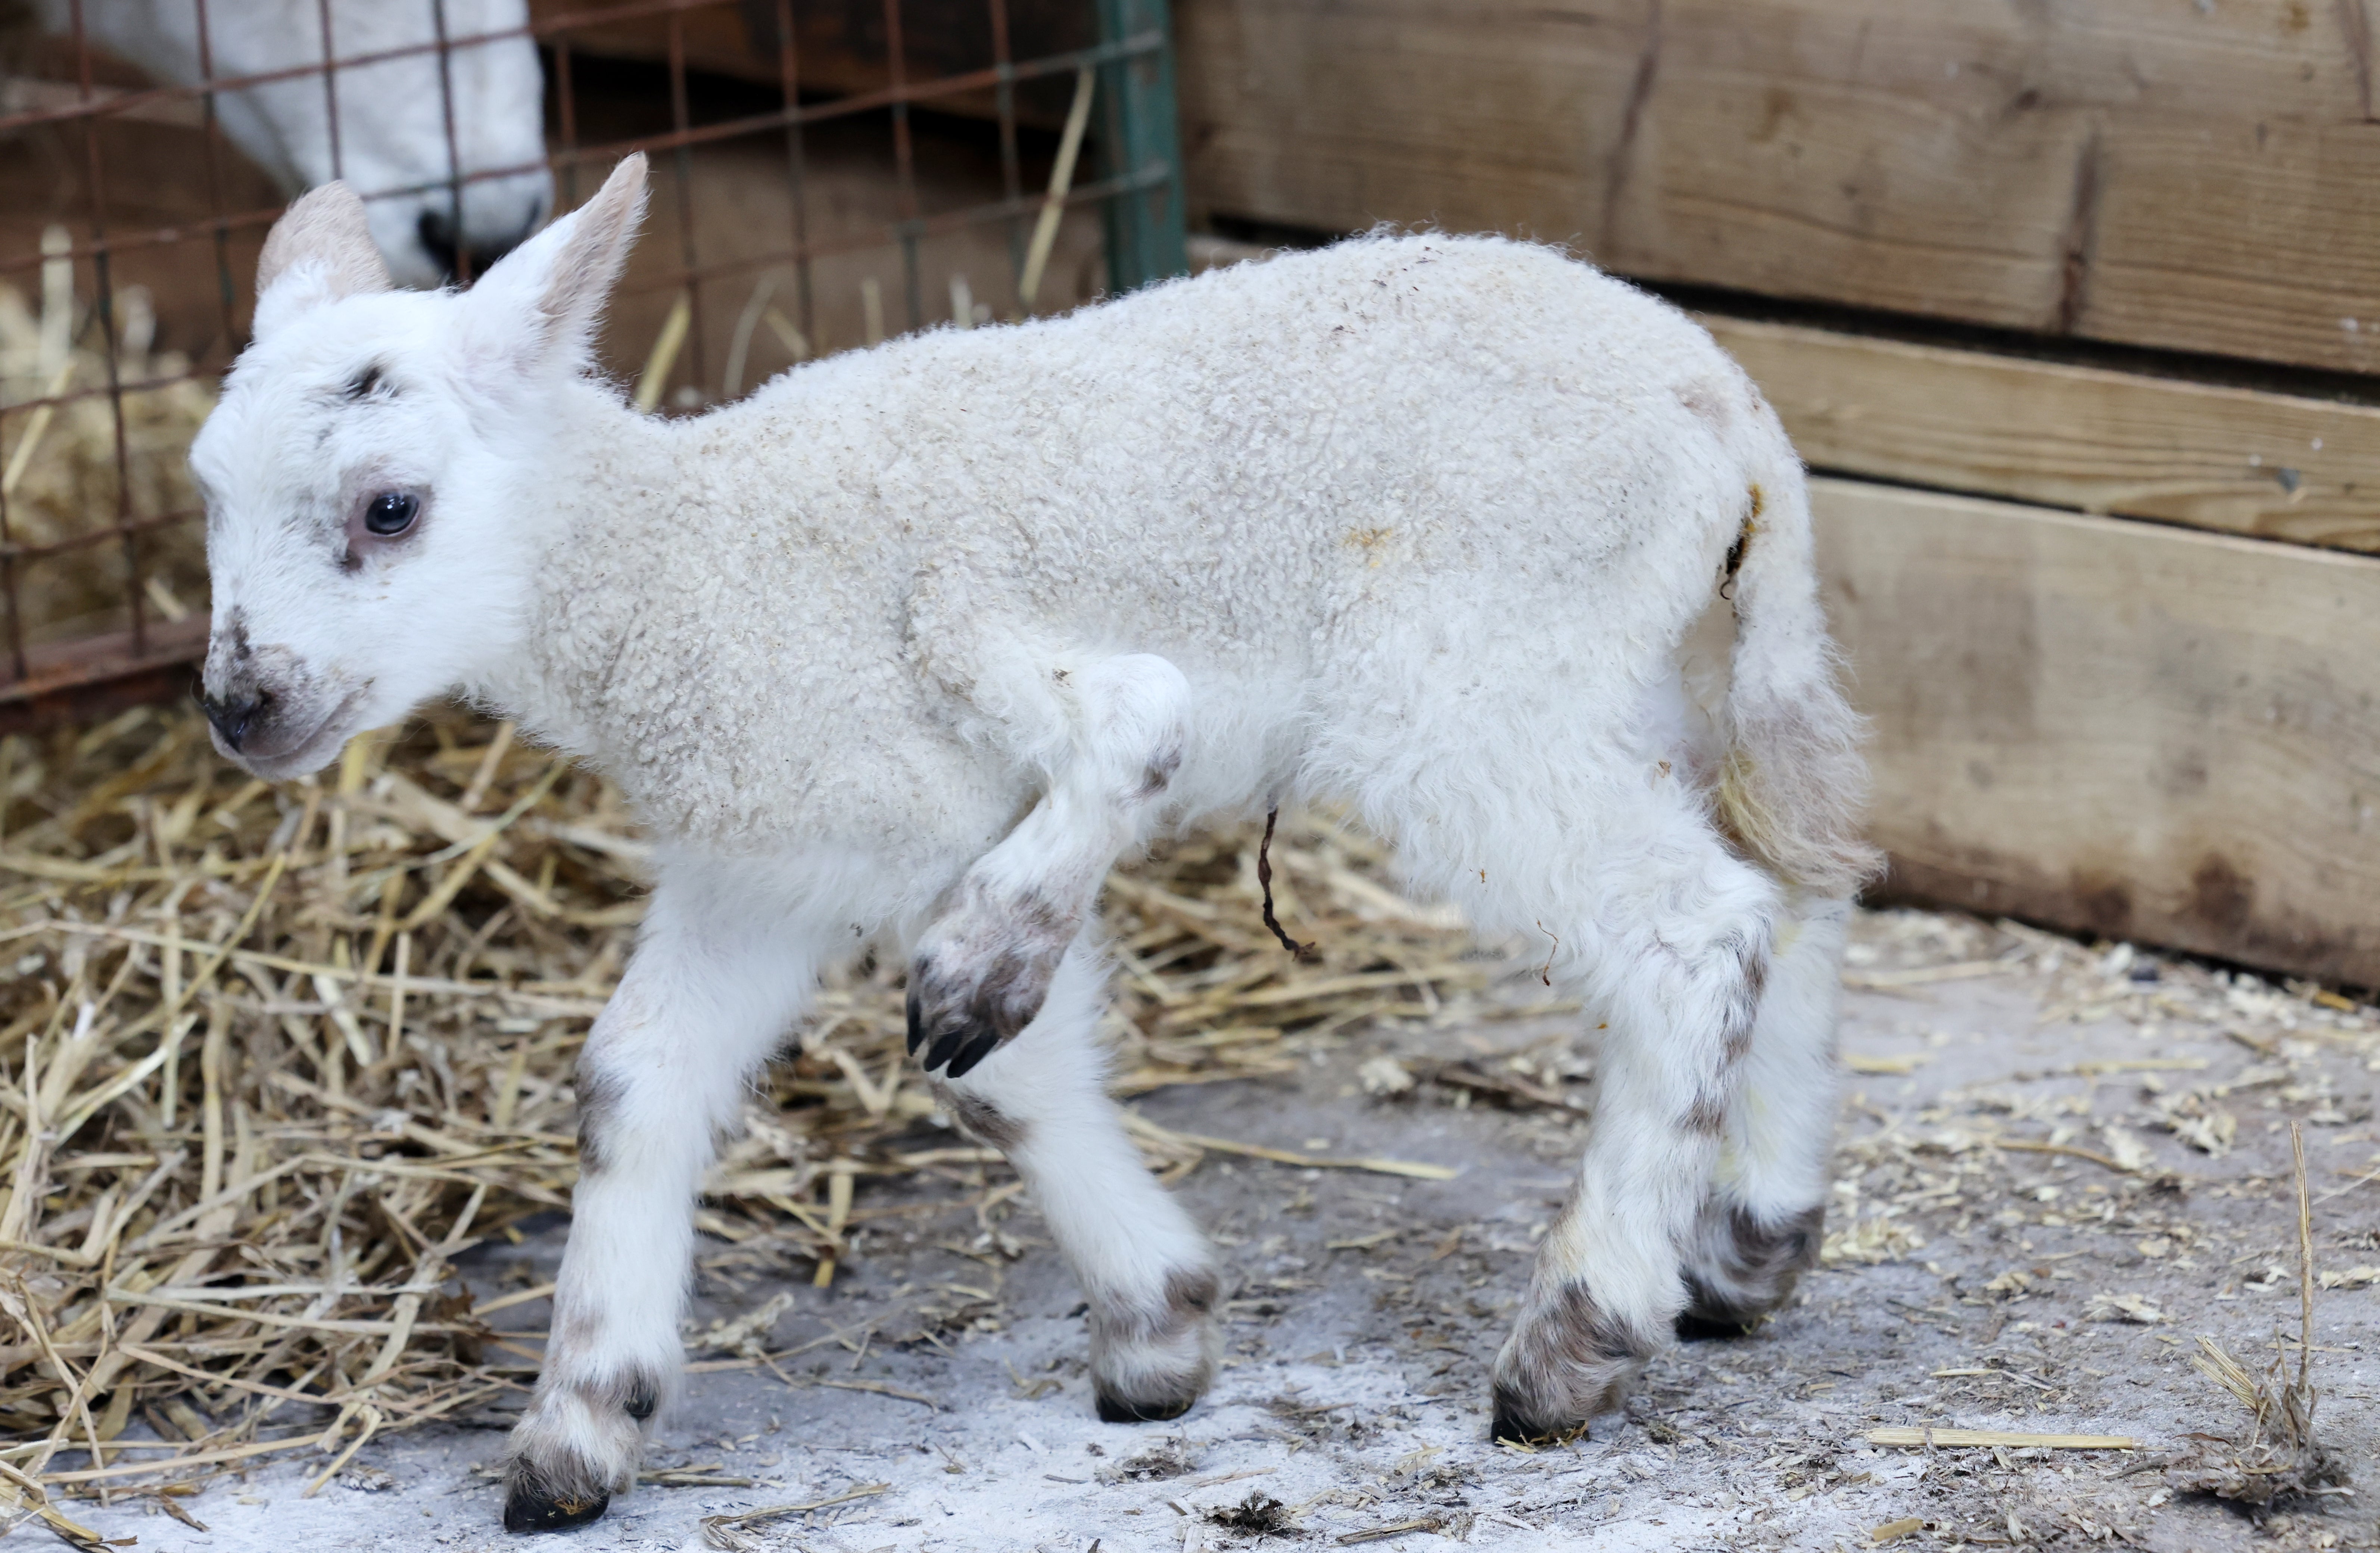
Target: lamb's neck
[{"x": 599, "y": 500}]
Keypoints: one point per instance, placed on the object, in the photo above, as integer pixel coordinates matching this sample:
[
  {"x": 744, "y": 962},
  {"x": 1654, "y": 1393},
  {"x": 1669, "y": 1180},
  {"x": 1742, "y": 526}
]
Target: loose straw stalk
[{"x": 1061, "y": 180}]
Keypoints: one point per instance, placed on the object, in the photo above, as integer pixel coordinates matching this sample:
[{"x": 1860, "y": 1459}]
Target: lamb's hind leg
[
  {"x": 707, "y": 996},
  {"x": 1108, "y": 751},
  {"x": 1668, "y": 941},
  {"x": 1760, "y": 1228},
  {"x": 1144, "y": 1266}
]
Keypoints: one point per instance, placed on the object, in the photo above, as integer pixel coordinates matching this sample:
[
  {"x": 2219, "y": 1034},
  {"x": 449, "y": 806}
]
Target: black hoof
[
  {"x": 1115, "y": 1410},
  {"x": 1691, "y": 1328},
  {"x": 950, "y": 1039},
  {"x": 956, "y": 1047},
  {"x": 975, "y": 1051},
  {"x": 526, "y": 1508},
  {"x": 1517, "y": 1428}
]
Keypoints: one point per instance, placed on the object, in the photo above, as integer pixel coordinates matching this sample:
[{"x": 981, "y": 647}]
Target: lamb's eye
[{"x": 391, "y": 512}]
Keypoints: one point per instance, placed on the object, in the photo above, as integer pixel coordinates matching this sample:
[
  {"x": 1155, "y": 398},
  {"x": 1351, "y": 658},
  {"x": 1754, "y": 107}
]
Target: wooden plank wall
[
  {"x": 2136, "y": 731},
  {"x": 2115, "y": 615},
  {"x": 2243, "y": 461},
  {"x": 2202, "y": 177}
]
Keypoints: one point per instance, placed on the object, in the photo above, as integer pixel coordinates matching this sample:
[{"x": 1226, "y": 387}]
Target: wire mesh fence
[{"x": 827, "y": 172}]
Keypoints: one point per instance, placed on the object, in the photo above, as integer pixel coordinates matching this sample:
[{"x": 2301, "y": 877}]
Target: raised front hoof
[
  {"x": 1115, "y": 1410},
  {"x": 528, "y": 1508},
  {"x": 954, "y": 1028}
]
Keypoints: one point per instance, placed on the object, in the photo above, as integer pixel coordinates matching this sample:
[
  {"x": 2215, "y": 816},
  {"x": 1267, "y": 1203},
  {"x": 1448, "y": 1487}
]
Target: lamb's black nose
[{"x": 232, "y": 715}]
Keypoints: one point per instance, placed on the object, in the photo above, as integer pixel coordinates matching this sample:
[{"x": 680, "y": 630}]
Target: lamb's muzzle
[
  {"x": 233, "y": 715},
  {"x": 1418, "y": 525}
]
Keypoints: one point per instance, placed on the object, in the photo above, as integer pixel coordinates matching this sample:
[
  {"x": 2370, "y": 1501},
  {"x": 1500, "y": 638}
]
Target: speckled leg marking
[
  {"x": 1762, "y": 1225},
  {"x": 1153, "y": 1359},
  {"x": 565, "y": 1457},
  {"x": 1739, "y": 1268},
  {"x": 1144, "y": 1268},
  {"x": 984, "y": 972},
  {"x": 983, "y": 968},
  {"x": 707, "y": 996},
  {"x": 1678, "y": 970}
]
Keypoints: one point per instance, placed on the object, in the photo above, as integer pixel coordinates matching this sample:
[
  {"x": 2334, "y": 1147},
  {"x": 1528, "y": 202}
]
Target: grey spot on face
[
  {"x": 280, "y": 701},
  {"x": 1707, "y": 1116}
]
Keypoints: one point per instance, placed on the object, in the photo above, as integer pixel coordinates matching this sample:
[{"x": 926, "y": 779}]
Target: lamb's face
[
  {"x": 363, "y": 541},
  {"x": 355, "y": 569}
]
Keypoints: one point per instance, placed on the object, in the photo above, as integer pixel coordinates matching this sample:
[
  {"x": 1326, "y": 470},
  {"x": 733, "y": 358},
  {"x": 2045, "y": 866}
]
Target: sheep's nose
[
  {"x": 437, "y": 235},
  {"x": 233, "y": 715}
]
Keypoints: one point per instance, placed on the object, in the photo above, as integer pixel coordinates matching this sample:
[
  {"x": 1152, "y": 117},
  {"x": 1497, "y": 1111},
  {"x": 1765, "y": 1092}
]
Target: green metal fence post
[{"x": 1143, "y": 140}]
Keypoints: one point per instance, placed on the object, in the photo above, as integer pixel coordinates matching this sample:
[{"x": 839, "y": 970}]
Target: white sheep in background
[
  {"x": 914, "y": 642},
  {"x": 392, "y": 115}
]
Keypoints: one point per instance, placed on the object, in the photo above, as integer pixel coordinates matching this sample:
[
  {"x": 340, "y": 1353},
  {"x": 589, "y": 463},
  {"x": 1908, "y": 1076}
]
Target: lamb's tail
[{"x": 1793, "y": 788}]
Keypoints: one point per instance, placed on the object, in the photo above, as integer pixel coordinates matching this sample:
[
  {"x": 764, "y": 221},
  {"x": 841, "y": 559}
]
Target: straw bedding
[{"x": 271, "y": 1057}]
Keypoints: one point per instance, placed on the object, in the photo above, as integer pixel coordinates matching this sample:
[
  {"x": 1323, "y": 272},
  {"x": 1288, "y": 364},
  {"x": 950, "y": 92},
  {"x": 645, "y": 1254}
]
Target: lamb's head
[{"x": 369, "y": 542}]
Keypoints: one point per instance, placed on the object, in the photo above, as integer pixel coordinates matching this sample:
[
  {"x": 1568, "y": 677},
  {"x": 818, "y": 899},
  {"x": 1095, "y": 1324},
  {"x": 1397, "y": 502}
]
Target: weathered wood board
[
  {"x": 2196, "y": 177},
  {"x": 2275, "y": 466},
  {"x": 2143, "y": 731}
]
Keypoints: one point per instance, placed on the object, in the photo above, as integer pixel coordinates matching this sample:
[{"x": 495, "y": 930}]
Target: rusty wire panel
[{"x": 827, "y": 172}]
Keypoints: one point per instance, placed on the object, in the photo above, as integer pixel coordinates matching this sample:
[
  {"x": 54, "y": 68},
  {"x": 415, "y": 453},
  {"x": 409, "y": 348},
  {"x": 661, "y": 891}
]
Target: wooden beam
[
  {"x": 2270, "y": 464},
  {"x": 2144, "y": 171},
  {"x": 82, "y": 681},
  {"x": 2136, "y": 731}
]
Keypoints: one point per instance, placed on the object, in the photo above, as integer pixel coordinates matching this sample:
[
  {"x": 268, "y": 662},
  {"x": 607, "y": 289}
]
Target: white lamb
[
  {"x": 914, "y": 643},
  {"x": 390, "y": 139}
]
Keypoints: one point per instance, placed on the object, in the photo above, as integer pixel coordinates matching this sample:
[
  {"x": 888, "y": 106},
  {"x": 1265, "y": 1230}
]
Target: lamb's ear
[
  {"x": 319, "y": 251},
  {"x": 542, "y": 301}
]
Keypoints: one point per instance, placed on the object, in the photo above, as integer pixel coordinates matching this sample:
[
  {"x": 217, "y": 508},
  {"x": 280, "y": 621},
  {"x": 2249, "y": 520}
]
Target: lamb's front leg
[
  {"x": 985, "y": 964},
  {"x": 706, "y": 999},
  {"x": 1144, "y": 1266}
]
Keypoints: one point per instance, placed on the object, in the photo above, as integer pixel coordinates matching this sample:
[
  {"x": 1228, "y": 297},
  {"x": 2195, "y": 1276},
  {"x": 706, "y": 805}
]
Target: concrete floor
[{"x": 1352, "y": 1399}]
